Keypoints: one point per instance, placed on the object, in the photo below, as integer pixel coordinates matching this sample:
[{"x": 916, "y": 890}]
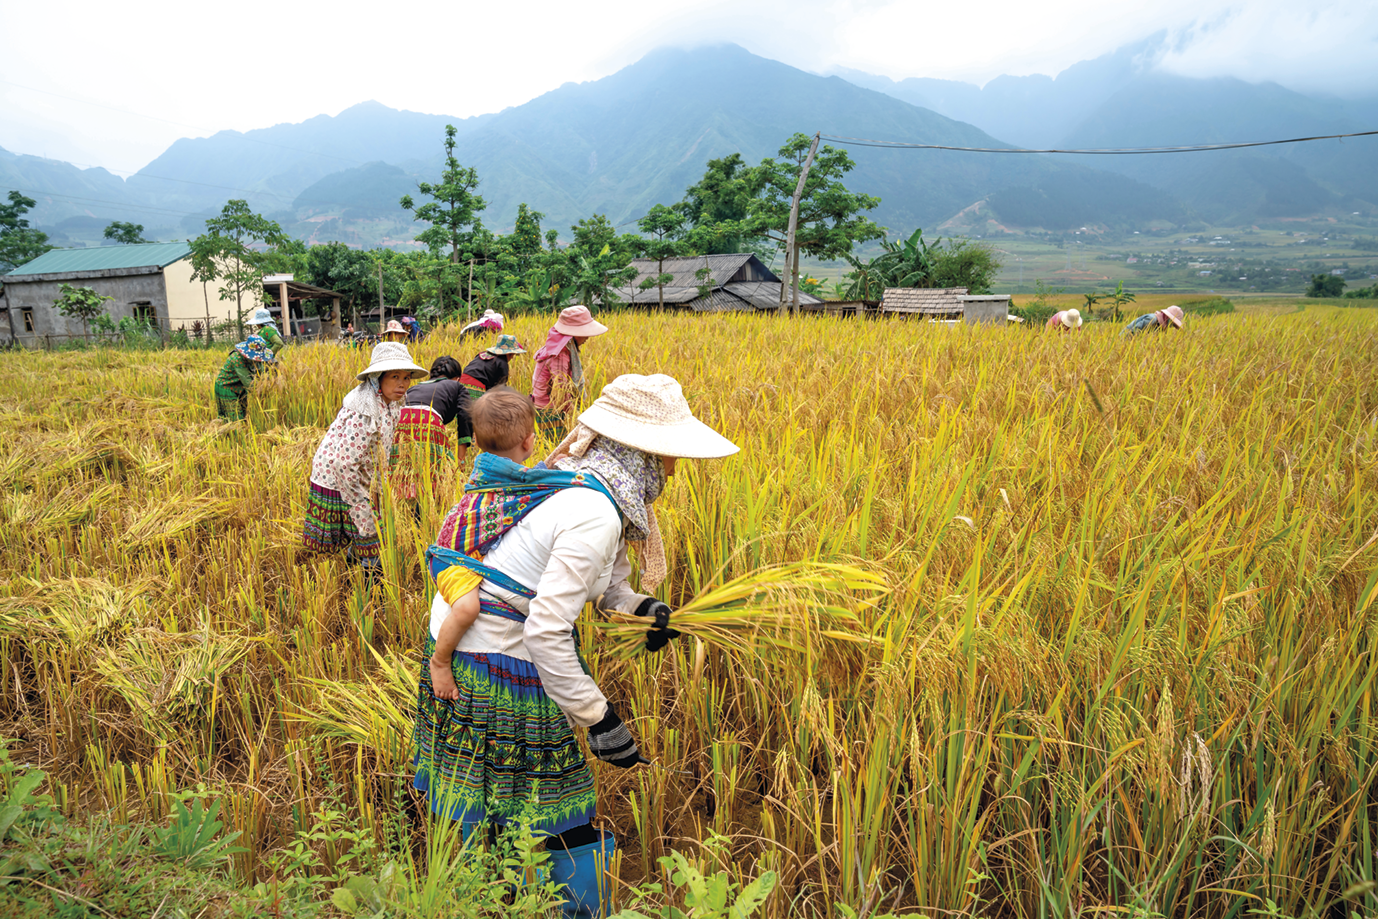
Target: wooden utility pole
[
  {"x": 791, "y": 254},
  {"x": 471, "y": 289}
]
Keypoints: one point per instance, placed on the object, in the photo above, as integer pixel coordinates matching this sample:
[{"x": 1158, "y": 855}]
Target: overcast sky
[{"x": 99, "y": 83}]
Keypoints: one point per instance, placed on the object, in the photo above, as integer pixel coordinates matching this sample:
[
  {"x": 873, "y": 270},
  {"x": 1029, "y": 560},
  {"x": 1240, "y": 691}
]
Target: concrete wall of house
[
  {"x": 987, "y": 311},
  {"x": 31, "y": 303},
  {"x": 187, "y": 301}
]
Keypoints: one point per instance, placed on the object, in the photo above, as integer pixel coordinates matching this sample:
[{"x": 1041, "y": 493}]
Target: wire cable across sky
[{"x": 1098, "y": 151}]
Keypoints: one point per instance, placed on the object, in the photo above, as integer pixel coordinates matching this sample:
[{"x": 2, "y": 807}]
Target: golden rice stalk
[{"x": 775, "y": 607}]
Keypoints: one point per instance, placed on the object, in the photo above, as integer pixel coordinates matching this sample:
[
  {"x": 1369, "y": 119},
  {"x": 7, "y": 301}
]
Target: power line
[
  {"x": 119, "y": 204},
  {"x": 1102, "y": 151}
]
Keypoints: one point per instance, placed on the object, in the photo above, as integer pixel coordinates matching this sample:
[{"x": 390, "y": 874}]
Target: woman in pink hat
[
  {"x": 1170, "y": 318},
  {"x": 558, "y": 382}
]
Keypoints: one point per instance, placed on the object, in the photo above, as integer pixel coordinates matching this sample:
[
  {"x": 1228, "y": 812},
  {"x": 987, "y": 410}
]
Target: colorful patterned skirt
[
  {"x": 476, "y": 390},
  {"x": 231, "y": 403},
  {"x": 329, "y": 527},
  {"x": 420, "y": 446},
  {"x": 551, "y": 424},
  {"x": 483, "y": 756}
]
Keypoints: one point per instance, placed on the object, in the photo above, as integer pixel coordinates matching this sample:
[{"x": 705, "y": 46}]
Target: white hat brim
[
  {"x": 384, "y": 366},
  {"x": 691, "y": 439}
]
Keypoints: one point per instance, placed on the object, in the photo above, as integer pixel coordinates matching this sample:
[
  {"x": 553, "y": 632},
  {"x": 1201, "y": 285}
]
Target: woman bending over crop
[
  {"x": 491, "y": 367},
  {"x": 551, "y": 540},
  {"x": 558, "y": 382},
  {"x": 1170, "y": 318},
  {"x": 421, "y": 446},
  {"x": 236, "y": 377},
  {"x": 339, "y": 513}
]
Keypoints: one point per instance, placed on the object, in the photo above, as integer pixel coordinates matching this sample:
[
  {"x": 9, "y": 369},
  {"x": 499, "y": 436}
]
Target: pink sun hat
[
  {"x": 578, "y": 322},
  {"x": 1174, "y": 315}
]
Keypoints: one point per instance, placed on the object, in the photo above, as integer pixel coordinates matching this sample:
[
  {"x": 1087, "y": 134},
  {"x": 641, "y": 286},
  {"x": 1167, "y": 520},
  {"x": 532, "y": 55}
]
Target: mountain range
[{"x": 642, "y": 135}]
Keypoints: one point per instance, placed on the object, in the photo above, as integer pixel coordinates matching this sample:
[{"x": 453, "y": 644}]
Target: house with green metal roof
[{"x": 149, "y": 282}]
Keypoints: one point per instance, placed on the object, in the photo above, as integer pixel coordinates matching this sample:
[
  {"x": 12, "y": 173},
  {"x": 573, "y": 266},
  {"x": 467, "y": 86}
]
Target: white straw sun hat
[
  {"x": 1071, "y": 319},
  {"x": 391, "y": 355},
  {"x": 651, "y": 414}
]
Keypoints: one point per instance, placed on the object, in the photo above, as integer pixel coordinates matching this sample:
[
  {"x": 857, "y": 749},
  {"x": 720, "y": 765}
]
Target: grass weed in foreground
[{"x": 1126, "y": 660}]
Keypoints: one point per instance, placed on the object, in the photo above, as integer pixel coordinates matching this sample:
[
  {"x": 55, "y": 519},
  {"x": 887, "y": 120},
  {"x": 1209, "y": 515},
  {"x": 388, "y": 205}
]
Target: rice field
[{"x": 1125, "y": 663}]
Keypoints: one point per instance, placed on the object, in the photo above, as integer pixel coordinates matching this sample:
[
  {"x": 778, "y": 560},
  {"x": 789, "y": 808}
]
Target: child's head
[{"x": 504, "y": 423}]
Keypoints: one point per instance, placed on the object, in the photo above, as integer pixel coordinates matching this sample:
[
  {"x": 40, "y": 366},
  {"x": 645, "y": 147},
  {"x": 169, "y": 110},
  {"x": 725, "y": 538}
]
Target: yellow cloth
[{"x": 456, "y": 581}]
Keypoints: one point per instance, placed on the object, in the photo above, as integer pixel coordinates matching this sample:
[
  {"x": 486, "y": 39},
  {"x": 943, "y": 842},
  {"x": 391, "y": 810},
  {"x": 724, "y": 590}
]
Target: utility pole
[
  {"x": 791, "y": 255},
  {"x": 471, "y": 289}
]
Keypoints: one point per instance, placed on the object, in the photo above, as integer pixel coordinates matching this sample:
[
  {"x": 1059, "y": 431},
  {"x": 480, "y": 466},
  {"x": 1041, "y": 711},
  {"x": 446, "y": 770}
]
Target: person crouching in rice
[
  {"x": 491, "y": 368},
  {"x": 339, "y": 512},
  {"x": 246, "y": 359},
  {"x": 551, "y": 540},
  {"x": 421, "y": 447}
]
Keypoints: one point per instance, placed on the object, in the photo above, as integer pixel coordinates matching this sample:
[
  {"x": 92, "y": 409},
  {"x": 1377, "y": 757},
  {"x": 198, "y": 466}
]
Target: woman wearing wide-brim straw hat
[
  {"x": 1169, "y": 318},
  {"x": 491, "y": 366},
  {"x": 507, "y": 739},
  {"x": 394, "y": 331},
  {"x": 339, "y": 512},
  {"x": 246, "y": 359},
  {"x": 557, "y": 384},
  {"x": 1065, "y": 320}
]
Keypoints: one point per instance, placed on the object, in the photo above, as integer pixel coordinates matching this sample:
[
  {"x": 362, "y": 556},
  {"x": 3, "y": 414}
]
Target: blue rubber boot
[{"x": 578, "y": 872}]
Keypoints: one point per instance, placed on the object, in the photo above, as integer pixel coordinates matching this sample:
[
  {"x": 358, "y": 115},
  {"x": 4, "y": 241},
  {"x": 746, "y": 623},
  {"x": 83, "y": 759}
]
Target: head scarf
[
  {"x": 635, "y": 479},
  {"x": 367, "y": 399},
  {"x": 553, "y": 343}
]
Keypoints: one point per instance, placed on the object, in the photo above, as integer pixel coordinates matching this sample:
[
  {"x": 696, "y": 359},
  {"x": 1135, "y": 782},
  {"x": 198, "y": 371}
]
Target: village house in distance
[
  {"x": 731, "y": 282},
  {"x": 150, "y": 283}
]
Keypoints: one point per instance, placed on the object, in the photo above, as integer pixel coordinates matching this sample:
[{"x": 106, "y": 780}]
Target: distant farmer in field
[
  {"x": 339, "y": 512},
  {"x": 422, "y": 443},
  {"x": 490, "y": 368},
  {"x": 394, "y": 332},
  {"x": 1065, "y": 320},
  {"x": 558, "y": 382},
  {"x": 413, "y": 327},
  {"x": 232, "y": 384},
  {"x": 262, "y": 323},
  {"x": 552, "y": 540},
  {"x": 490, "y": 321},
  {"x": 1170, "y": 318}
]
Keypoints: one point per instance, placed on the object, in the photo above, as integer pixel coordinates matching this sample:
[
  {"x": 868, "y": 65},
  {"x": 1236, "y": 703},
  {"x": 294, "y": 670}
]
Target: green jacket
[{"x": 272, "y": 337}]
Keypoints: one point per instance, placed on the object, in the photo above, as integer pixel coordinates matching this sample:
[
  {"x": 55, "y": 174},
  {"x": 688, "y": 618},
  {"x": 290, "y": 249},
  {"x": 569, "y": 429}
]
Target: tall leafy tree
[
  {"x": 664, "y": 227},
  {"x": 126, "y": 234},
  {"x": 831, "y": 218},
  {"x": 226, "y": 253},
  {"x": 453, "y": 211},
  {"x": 19, "y": 242},
  {"x": 718, "y": 207}
]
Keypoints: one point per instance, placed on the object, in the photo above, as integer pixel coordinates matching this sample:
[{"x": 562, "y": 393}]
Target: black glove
[
  {"x": 660, "y": 634},
  {"x": 611, "y": 742}
]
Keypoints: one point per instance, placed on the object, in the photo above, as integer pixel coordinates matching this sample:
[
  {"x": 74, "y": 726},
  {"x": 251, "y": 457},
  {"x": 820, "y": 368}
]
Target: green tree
[
  {"x": 830, "y": 221},
  {"x": 453, "y": 214},
  {"x": 348, "y": 271},
  {"x": 126, "y": 234},
  {"x": 718, "y": 208},
  {"x": 224, "y": 253},
  {"x": 599, "y": 260},
  {"x": 665, "y": 227},
  {"x": 1326, "y": 285},
  {"x": 1120, "y": 298},
  {"x": 917, "y": 263},
  {"x": 81, "y": 303},
  {"x": 19, "y": 243}
]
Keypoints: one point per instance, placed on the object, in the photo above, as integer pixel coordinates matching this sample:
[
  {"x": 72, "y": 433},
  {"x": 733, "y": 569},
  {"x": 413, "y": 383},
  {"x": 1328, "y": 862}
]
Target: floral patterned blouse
[{"x": 347, "y": 459}]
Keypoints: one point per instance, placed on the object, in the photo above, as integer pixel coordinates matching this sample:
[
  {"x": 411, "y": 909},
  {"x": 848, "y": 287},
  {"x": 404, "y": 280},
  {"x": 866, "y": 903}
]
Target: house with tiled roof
[{"x": 707, "y": 284}]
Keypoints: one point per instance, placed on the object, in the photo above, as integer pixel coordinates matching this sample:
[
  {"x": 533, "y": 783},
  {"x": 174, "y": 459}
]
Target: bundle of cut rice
[{"x": 780, "y": 606}]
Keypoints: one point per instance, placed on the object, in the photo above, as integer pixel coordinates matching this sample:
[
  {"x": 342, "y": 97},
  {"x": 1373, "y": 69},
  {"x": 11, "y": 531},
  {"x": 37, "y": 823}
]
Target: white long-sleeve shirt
[{"x": 570, "y": 551}]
